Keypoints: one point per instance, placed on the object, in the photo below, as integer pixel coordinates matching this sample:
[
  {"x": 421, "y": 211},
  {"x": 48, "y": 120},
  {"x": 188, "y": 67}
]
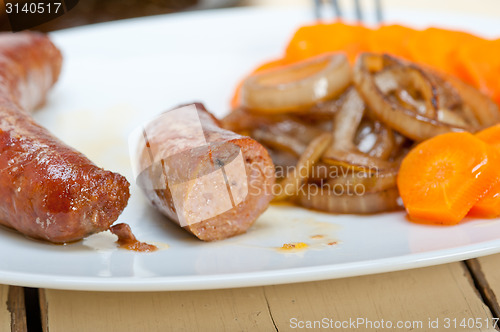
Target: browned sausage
[
  {"x": 47, "y": 189},
  {"x": 211, "y": 181}
]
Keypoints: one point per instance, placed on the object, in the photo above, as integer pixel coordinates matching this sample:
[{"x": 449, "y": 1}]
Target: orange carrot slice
[
  {"x": 491, "y": 136},
  {"x": 312, "y": 40},
  {"x": 392, "y": 39},
  {"x": 489, "y": 206},
  {"x": 442, "y": 178},
  {"x": 470, "y": 58},
  {"x": 439, "y": 48},
  {"x": 480, "y": 65}
]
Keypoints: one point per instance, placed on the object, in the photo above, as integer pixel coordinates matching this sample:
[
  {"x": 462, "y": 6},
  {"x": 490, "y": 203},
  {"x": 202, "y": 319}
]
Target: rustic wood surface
[
  {"x": 487, "y": 275},
  {"x": 17, "y": 309},
  {"x": 12, "y": 309},
  {"x": 4, "y": 311},
  {"x": 439, "y": 292},
  {"x": 412, "y": 296}
]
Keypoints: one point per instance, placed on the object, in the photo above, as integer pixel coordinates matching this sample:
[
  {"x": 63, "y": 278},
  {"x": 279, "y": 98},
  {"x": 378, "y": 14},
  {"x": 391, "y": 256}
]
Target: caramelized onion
[
  {"x": 343, "y": 151},
  {"x": 344, "y": 137},
  {"x": 306, "y": 162},
  {"x": 367, "y": 203},
  {"x": 418, "y": 112},
  {"x": 297, "y": 87},
  {"x": 485, "y": 111},
  {"x": 241, "y": 120},
  {"x": 375, "y": 139},
  {"x": 279, "y": 141},
  {"x": 370, "y": 181}
]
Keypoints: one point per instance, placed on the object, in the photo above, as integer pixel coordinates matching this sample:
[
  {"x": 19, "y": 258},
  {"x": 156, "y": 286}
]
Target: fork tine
[
  {"x": 336, "y": 9},
  {"x": 378, "y": 11},
  {"x": 317, "y": 9},
  {"x": 357, "y": 7}
]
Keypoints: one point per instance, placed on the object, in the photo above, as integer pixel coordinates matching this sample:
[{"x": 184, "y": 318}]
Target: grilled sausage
[
  {"x": 212, "y": 182},
  {"x": 47, "y": 189}
]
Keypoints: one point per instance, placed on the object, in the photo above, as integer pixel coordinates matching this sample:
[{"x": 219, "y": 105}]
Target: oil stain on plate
[{"x": 282, "y": 228}]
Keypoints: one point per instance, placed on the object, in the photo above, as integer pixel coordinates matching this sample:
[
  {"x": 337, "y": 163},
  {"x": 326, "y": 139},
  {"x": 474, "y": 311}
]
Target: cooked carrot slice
[
  {"x": 470, "y": 58},
  {"x": 442, "y": 178},
  {"x": 312, "y": 40},
  {"x": 489, "y": 206},
  {"x": 439, "y": 48},
  {"x": 491, "y": 136},
  {"x": 392, "y": 39},
  {"x": 480, "y": 65}
]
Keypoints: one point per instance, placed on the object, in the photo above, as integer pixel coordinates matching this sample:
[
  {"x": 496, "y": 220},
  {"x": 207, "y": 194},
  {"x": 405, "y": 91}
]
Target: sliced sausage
[{"x": 212, "y": 182}]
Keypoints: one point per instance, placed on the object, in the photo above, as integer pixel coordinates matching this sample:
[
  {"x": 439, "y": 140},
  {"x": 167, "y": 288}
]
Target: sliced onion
[
  {"x": 407, "y": 81},
  {"x": 297, "y": 87},
  {"x": 356, "y": 161},
  {"x": 280, "y": 141},
  {"x": 322, "y": 112},
  {"x": 241, "y": 120},
  {"x": 375, "y": 139},
  {"x": 343, "y": 151},
  {"x": 370, "y": 181},
  {"x": 452, "y": 118},
  {"x": 306, "y": 162},
  {"x": 485, "y": 111},
  {"x": 402, "y": 116},
  {"x": 282, "y": 160},
  {"x": 367, "y": 203}
]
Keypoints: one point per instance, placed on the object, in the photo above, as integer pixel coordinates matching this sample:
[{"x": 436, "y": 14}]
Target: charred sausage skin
[{"x": 48, "y": 190}]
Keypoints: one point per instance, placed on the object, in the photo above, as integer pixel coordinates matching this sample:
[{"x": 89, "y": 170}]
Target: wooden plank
[
  {"x": 4, "y": 312},
  {"x": 486, "y": 274},
  {"x": 12, "y": 310},
  {"x": 222, "y": 310},
  {"x": 17, "y": 309},
  {"x": 413, "y": 296}
]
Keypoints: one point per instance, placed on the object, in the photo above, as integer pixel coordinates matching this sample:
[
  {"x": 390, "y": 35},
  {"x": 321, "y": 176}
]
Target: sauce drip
[
  {"x": 294, "y": 246},
  {"x": 127, "y": 240}
]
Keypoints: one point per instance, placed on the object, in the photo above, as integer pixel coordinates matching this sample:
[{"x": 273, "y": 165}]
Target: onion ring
[
  {"x": 485, "y": 110},
  {"x": 304, "y": 166},
  {"x": 343, "y": 152},
  {"x": 297, "y": 87},
  {"x": 371, "y": 181},
  {"x": 367, "y": 203},
  {"x": 414, "y": 122}
]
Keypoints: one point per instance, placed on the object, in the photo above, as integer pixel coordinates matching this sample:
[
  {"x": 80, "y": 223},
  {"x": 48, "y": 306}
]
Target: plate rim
[{"x": 256, "y": 278}]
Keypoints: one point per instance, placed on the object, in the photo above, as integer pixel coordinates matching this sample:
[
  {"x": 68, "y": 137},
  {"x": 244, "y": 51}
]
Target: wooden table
[{"x": 446, "y": 294}]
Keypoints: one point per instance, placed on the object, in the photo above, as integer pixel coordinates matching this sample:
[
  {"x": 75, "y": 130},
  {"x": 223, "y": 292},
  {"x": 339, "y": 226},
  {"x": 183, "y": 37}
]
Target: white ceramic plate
[{"x": 117, "y": 75}]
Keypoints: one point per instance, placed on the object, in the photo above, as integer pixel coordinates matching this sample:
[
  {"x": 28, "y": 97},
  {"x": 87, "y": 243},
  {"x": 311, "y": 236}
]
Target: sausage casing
[{"x": 48, "y": 190}]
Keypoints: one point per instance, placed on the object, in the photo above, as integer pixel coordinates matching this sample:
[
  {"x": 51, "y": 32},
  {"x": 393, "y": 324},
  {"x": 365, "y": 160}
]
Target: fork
[{"x": 337, "y": 10}]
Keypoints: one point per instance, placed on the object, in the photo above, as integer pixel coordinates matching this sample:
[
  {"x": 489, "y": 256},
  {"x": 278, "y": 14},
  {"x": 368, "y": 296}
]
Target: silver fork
[{"x": 337, "y": 11}]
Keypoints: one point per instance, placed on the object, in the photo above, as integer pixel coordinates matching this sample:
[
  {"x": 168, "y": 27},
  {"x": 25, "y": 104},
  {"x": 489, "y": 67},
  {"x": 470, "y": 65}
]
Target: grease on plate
[
  {"x": 282, "y": 226},
  {"x": 127, "y": 239},
  {"x": 293, "y": 247},
  {"x": 107, "y": 241}
]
